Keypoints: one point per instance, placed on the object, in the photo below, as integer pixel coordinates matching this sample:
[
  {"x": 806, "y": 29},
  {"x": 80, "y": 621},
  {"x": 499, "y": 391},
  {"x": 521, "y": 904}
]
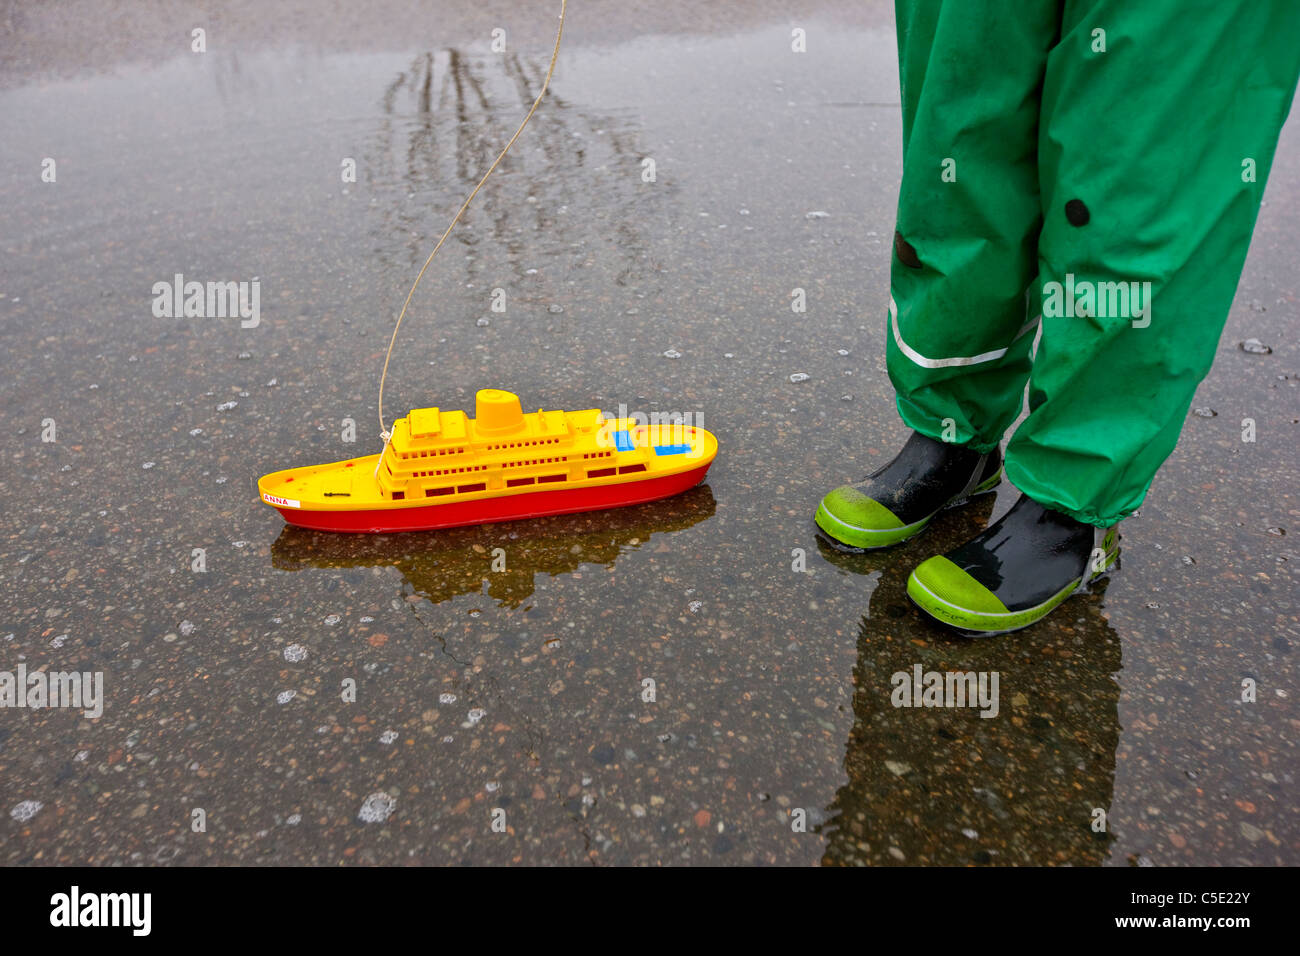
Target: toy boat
[{"x": 443, "y": 469}]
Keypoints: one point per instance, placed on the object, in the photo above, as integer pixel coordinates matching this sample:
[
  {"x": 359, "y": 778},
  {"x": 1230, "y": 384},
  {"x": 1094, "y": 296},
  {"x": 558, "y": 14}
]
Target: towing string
[{"x": 383, "y": 427}]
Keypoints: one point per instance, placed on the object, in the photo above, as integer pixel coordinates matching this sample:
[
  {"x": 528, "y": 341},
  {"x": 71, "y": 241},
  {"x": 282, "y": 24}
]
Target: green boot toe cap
[
  {"x": 852, "y": 507},
  {"x": 849, "y": 516},
  {"x": 944, "y": 591}
]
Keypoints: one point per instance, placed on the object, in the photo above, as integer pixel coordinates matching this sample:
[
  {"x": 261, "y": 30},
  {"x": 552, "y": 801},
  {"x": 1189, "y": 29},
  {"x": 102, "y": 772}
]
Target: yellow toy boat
[{"x": 443, "y": 469}]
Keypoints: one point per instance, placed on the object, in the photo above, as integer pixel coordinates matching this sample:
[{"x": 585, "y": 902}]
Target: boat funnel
[{"x": 497, "y": 412}]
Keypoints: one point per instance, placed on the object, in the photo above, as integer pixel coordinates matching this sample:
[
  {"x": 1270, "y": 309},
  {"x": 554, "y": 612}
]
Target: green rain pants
[{"x": 1093, "y": 166}]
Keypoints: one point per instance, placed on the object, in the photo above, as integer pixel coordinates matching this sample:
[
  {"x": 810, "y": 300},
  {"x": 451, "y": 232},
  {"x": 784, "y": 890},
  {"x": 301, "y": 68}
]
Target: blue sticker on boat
[
  {"x": 623, "y": 441},
  {"x": 672, "y": 449}
]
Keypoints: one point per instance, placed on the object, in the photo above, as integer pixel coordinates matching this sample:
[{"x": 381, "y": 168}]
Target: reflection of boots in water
[{"x": 943, "y": 785}]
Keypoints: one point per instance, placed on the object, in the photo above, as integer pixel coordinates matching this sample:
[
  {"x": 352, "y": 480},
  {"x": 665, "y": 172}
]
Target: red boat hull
[{"x": 534, "y": 504}]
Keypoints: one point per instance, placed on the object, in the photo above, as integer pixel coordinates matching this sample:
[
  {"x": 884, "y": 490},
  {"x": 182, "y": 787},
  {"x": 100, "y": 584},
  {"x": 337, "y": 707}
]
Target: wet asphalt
[{"x": 692, "y": 681}]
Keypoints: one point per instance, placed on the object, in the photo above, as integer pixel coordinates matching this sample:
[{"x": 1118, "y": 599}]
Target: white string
[{"x": 384, "y": 433}]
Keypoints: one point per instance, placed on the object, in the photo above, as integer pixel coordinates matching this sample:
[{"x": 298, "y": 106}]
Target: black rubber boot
[
  {"x": 897, "y": 501},
  {"x": 1015, "y": 572}
]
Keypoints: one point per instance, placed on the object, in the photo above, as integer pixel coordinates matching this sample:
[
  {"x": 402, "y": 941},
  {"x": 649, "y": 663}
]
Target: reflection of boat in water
[
  {"x": 460, "y": 560},
  {"x": 444, "y": 470}
]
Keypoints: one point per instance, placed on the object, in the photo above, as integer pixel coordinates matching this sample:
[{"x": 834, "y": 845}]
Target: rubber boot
[
  {"x": 897, "y": 501},
  {"x": 1015, "y": 572}
]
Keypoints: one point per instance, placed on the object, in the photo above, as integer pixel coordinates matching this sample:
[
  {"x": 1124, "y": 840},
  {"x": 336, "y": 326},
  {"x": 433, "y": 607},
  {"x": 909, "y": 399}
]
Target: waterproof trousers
[{"x": 1084, "y": 175}]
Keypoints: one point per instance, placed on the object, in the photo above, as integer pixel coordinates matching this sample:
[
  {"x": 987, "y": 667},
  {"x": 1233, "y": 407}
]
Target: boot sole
[{"x": 828, "y": 524}]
